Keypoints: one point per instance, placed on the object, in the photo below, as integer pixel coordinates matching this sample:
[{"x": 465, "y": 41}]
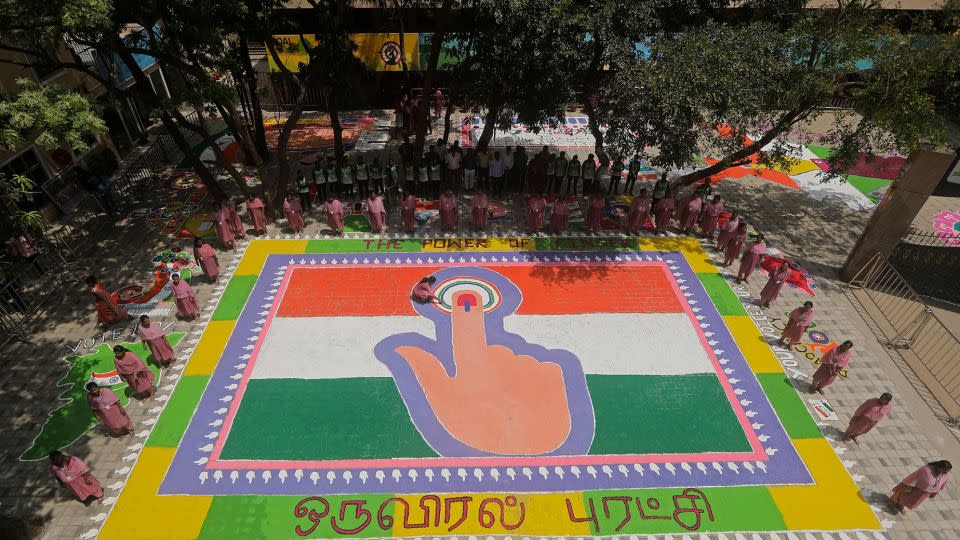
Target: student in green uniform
[
  {"x": 660, "y": 190},
  {"x": 346, "y": 178},
  {"x": 376, "y": 175},
  {"x": 633, "y": 171},
  {"x": 551, "y": 171},
  {"x": 563, "y": 165},
  {"x": 362, "y": 177},
  {"x": 573, "y": 176},
  {"x": 436, "y": 176},
  {"x": 423, "y": 181},
  {"x": 320, "y": 178}
]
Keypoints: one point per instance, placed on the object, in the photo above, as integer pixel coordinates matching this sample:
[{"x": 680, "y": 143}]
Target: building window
[{"x": 27, "y": 163}]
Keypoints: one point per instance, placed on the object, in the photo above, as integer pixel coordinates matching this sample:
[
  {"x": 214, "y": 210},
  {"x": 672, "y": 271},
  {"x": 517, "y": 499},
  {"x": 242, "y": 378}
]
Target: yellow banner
[{"x": 379, "y": 52}]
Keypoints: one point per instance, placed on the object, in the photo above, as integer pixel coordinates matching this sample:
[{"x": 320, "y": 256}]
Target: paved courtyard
[{"x": 282, "y": 400}]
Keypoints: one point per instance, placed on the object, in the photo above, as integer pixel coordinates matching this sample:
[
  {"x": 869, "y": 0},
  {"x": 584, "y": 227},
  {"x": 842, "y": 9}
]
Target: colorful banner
[{"x": 379, "y": 52}]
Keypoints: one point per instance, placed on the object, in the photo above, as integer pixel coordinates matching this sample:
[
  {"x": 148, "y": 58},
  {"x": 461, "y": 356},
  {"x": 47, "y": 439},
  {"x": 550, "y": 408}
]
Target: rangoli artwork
[
  {"x": 946, "y": 225},
  {"x": 322, "y": 402}
]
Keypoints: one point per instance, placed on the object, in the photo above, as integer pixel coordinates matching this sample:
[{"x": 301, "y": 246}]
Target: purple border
[{"x": 187, "y": 473}]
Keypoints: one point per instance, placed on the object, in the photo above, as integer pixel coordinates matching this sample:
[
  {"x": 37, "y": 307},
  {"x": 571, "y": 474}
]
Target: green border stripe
[
  {"x": 790, "y": 408},
  {"x": 234, "y": 298},
  {"x": 377, "y": 245},
  {"x": 721, "y": 294},
  {"x": 178, "y": 412}
]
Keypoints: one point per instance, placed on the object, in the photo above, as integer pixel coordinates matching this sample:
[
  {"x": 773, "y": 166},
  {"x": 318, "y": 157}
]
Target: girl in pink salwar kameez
[
  {"x": 423, "y": 291},
  {"x": 106, "y": 407},
  {"x": 830, "y": 366},
  {"x": 333, "y": 212},
  {"x": 133, "y": 371},
  {"x": 74, "y": 475},
  {"x": 154, "y": 338},
  {"x": 595, "y": 212},
  {"x": 108, "y": 310},
  {"x": 711, "y": 213},
  {"x": 255, "y": 209},
  {"x": 408, "y": 209},
  {"x": 376, "y": 212},
  {"x": 294, "y": 213},
  {"x": 478, "y": 209},
  {"x": 536, "y": 208},
  {"x": 664, "y": 211},
  {"x": 233, "y": 218},
  {"x": 728, "y": 231},
  {"x": 691, "y": 214},
  {"x": 560, "y": 217},
  {"x": 682, "y": 206},
  {"x": 868, "y": 415},
  {"x": 751, "y": 258},
  {"x": 800, "y": 319},
  {"x": 188, "y": 306},
  {"x": 775, "y": 282},
  {"x": 639, "y": 211},
  {"x": 207, "y": 259},
  {"x": 735, "y": 243},
  {"x": 222, "y": 222},
  {"x": 922, "y": 484},
  {"x": 448, "y": 210}
]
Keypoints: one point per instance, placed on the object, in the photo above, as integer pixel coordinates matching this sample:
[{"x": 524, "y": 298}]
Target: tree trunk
[
  {"x": 210, "y": 140},
  {"x": 594, "y": 126},
  {"x": 144, "y": 90},
  {"x": 423, "y": 111},
  {"x": 232, "y": 117},
  {"x": 493, "y": 114},
  {"x": 283, "y": 165},
  {"x": 259, "y": 137},
  {"x": 446, "y": 120},
  {"x": 734, "y": 158},
  {"x": 337, "y": 132},
  {"x": 403, "y": 56}
]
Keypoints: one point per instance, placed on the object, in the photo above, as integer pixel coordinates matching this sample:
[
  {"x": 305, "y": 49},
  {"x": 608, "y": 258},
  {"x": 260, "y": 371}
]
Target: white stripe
[{"x": 605, "y": 343}]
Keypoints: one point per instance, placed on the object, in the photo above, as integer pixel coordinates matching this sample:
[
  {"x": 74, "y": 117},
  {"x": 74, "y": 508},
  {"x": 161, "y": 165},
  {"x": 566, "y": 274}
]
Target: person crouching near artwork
[
  {"x": 423, "y": 291},
  {"x": 108, "y": 310},
  {"x": 106, "y": 408},
  {"x": 922, "y": 484}
]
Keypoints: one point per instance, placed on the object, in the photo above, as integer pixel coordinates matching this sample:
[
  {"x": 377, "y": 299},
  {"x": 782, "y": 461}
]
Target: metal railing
[
  {"x": 27, "y": 285},
  {"x": 914, "y": 330},
  {"x": 936, "y": 239}
]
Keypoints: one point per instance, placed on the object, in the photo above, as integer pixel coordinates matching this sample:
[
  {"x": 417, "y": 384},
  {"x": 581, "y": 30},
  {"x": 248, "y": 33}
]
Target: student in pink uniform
[
  {"x": 108, "y": 310},
  {"x": 448, "y": 211},
  {"x": 106, "y": 408},
  {"x": 868, "y": 415},
  {"x": 711, "y": 213},
  {"x": 333, "y": 211},
  {"x": 478, "y": 209},
  {"x": 830, "y": 366},
  {"x": 233, "y": 218},
  {"x": 595, "y": 211},
  {"x": 221, "y": 219},
  {"x": 73, "y": 474},
  {"x": 751, "y": 258},
  {"x": 255, "y": 209},
  {"x": 639, "y": 211},
  {"x": 728, "y": 231},
  {"x": 922, "y": 484},
  {"x": 536, "y": 210},
  {"x": 133, "y": 371},
  {"x": 664, "y": 211},
  {"x": 560, "y": 217},
  {"x": 294, "y": 212},
  {"x": 735, "y": 243},
  {"x": 800, "y": 319},
  {"x": 408, "y": 209},
  {"x": 154, "y": 338},
  {"x": 775, "y": 282},
  {"x": 691, "y": 213},
  {"x": 377, "y": 212},
  {"x": 188, "y": 306},
  {"x": 682, "y": 208},
  {"x": 206, "y": 258},
  {"x": 423, "y": 291}
]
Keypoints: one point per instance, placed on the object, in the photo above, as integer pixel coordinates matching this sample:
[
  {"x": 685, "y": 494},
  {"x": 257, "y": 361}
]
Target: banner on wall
[{"x": 379, "y": 52}]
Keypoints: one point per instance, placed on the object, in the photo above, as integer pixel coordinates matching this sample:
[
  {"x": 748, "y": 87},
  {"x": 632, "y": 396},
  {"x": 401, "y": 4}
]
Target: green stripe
[
  {"x": 234, "y": 298},
  {"x": 365, "y": 418},
  {"x": 866, "y": 184},
  {"x": 178, "y": 411},
  {"x": 734, "y": 509},
  {"x": 820, "y": 151},
  {"x": 249, "y": 517},
  {"x": 726, "y": 302},
  {"x": 660, "y": 414},
  {"x": 789, "y": 407}
]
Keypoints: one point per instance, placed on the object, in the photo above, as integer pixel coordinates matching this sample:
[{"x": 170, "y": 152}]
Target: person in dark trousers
[
  {"x": 633, "y": 171},
  {"x": 616, "y": 172},
  {"x": 660, "y": 190},
  {"x": 520, "y": 160},
  {"x": 303, "y": 190}
]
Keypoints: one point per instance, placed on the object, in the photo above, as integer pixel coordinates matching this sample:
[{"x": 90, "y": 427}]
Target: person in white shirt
[
  {"x": 454, "y": 159},
  {"x": 497, "y": 168}
]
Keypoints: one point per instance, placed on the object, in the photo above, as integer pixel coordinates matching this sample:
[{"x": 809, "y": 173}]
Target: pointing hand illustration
[{"x": 495, "y": 401}]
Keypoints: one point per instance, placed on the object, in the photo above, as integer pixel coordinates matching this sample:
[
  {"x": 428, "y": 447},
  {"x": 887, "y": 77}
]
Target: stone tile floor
[{"x": 819, "y": 235}]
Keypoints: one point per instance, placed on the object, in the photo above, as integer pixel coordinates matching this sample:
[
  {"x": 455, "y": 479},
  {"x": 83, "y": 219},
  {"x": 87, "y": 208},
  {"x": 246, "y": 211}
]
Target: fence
[
  {"x": 930, "y": 263},
  {"x": 910, "y": 327},
  {"x": 28, "y": 285}
]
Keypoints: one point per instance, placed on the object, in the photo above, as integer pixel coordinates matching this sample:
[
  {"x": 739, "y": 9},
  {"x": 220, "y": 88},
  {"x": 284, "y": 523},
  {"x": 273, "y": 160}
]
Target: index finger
[{"x": 466, "y": 321}]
